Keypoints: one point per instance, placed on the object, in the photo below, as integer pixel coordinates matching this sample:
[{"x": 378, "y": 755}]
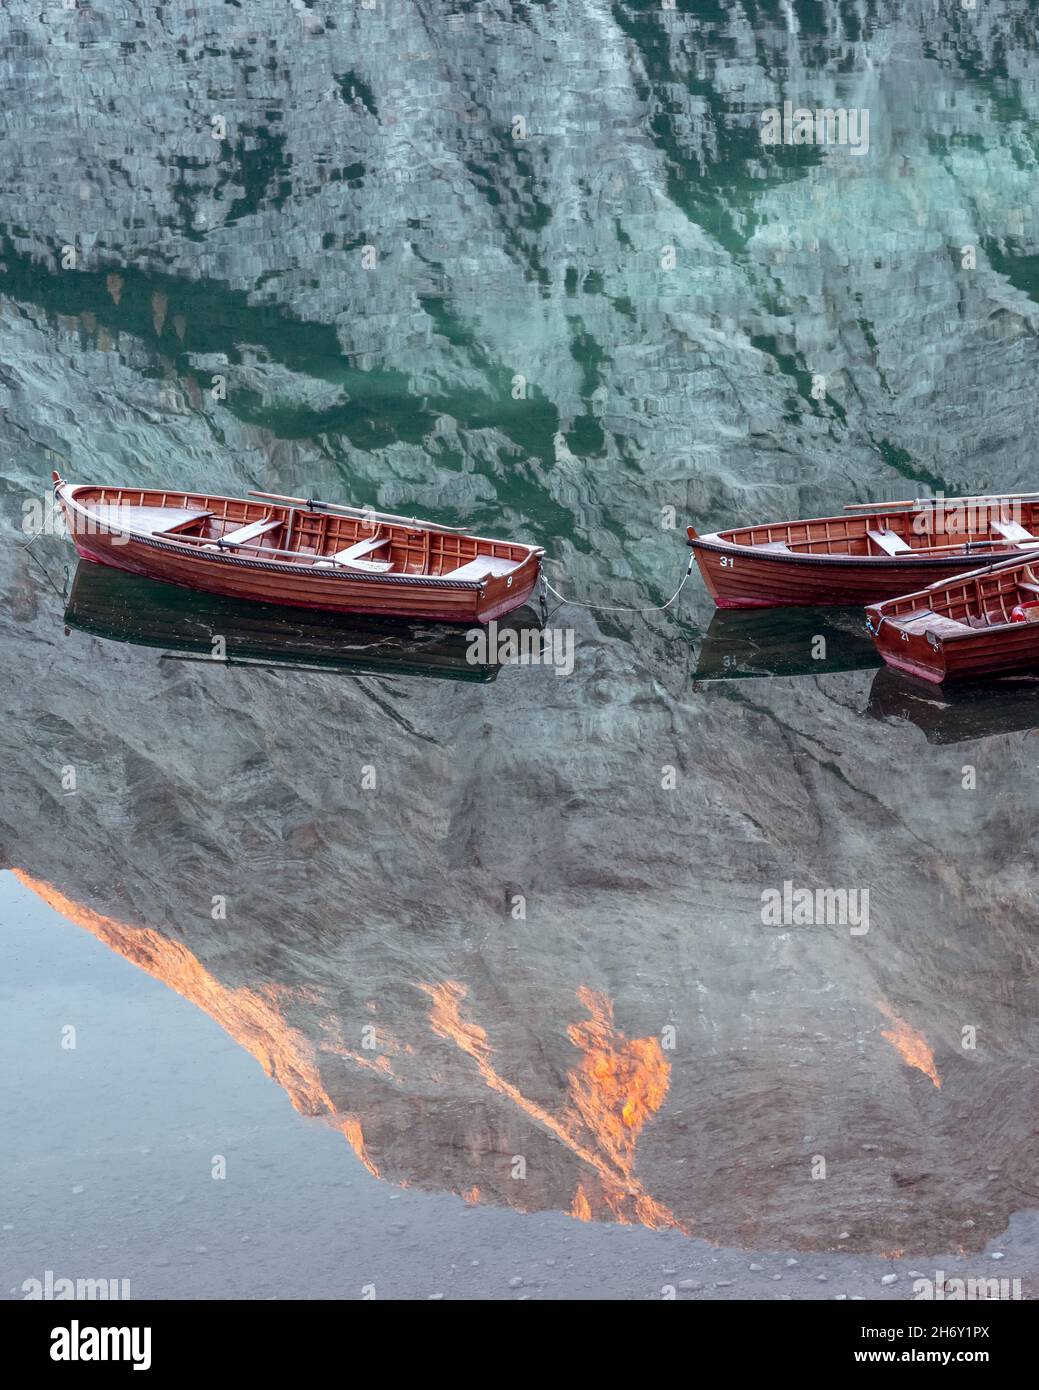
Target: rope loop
[{"x": 600, "y": 608}]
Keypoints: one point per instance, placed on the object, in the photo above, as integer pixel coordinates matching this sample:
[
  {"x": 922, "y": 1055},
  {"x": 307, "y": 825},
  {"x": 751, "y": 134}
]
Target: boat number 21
[{"x": 727, "y": 562}]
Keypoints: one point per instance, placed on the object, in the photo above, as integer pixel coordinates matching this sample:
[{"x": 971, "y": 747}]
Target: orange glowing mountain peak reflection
[
  {"x": 251, "y": 1016},
  {"x": 580, "y": 1207},
  {"x": 351, "y": 1127},
  {"x": 613, "y": 1090},
  {"x": 617, "y": 1085},
  {"x": 910, "y": 1043}
]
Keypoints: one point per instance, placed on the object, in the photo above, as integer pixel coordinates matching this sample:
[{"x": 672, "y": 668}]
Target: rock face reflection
[
  {"x": 548, "y": 1038},
  {"x": 548, "y": 875}
]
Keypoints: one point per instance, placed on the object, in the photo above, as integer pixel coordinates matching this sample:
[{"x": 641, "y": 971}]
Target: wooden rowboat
[
  {"x": 985, "y": 623},
  {"x": 860, "y": 557},
  {"x": 300, "y": 552}
]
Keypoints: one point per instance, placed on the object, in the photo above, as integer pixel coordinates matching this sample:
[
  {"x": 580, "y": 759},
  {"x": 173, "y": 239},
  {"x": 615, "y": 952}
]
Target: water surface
[{"x": 518, "y": 915}]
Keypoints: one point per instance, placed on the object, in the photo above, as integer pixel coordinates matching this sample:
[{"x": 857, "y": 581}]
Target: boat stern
[
  {"x": 916, "y": 647},
  {"x": 502, "y": 593}
]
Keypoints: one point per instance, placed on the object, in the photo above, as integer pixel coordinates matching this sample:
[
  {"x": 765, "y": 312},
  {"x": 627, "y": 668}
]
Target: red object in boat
[
  {"x": 859, "y": 557},
  {"x": 299, "y": 552},
  {"x": 985, "y": 623}
]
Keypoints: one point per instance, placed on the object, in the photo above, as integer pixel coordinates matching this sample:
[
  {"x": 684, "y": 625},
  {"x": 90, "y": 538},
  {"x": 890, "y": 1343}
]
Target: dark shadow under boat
[
  {"x": 784, "y": 642},
  {"x": 954, "y": 714},
  {"x": 815, "y": 641},
  {"x": 124, "y": 607}
]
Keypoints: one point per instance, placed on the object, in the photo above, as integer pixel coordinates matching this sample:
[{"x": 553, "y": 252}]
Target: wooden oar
[
  {"x": 965, "y": 546},
  {"x": 314, "y": 504},
  {"x": 912, "y": 503},
  {"x": 1007, "y": 562}
]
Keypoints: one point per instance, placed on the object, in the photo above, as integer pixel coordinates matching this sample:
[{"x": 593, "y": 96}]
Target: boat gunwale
[
  {"x": 881, "y": 510},
  {"x": 65, "y": 492},
  {"x": 714, "y": 543}
]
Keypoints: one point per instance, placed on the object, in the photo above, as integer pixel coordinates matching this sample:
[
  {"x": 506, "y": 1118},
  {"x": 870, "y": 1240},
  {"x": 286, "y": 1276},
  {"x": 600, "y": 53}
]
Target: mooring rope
[
  {"x": 61, "y": 593},
  {"x": 601, "y": 608},
  {"x": 54, "y": 511}
]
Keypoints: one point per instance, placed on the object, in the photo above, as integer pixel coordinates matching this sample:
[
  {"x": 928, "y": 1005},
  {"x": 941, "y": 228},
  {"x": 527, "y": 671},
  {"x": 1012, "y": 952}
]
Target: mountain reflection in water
[
  {"x": 804, "y": 642},
  {"x": 441, "y": 1092}
]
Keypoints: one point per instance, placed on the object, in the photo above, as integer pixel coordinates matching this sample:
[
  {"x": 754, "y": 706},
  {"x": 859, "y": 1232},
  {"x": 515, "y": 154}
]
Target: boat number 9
[
  {"x": 726, "y": 562},
  {"x": 508, "y": 582}
]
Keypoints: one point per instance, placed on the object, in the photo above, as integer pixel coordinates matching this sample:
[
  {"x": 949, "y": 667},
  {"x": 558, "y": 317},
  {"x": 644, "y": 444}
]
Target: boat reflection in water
[
  {"x": 124, "y": 607},
  {"x": 785, "y": 642},
  {"x": 816, "y": 641},
  {"x": 953, "y": 714}
]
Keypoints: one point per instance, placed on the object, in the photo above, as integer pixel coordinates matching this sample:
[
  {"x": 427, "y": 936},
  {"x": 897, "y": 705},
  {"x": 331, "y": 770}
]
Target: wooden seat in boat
[
  {"x": 1012, "y": 531},
  {"x": 243, "y": 534},
  {"x": 483, "y": 567},
  {"x": 152, "y": 520},
  {"x": 359, "y": 550},
  {"x": 889, "y": 541},
  {"x": 925, "y": 620},
  {"x": 948, "y": 627},
  {"x": 352, "y": 557}
]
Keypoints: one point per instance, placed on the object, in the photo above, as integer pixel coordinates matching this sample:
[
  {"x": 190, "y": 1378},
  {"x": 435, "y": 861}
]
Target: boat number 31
[{"x": 727, "y": 562}]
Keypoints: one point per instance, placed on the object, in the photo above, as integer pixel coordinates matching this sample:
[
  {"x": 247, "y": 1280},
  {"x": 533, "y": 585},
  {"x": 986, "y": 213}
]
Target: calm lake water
[{"x": 498, "y": 935}]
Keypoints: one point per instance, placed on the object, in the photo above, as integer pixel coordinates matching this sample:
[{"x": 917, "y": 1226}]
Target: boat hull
[
  {"x": 976, "y": 627},
  {"x": 744, "y": 577},
  {"x": 252, "y": 577},
  {"x": 1010, "y": 650}
]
